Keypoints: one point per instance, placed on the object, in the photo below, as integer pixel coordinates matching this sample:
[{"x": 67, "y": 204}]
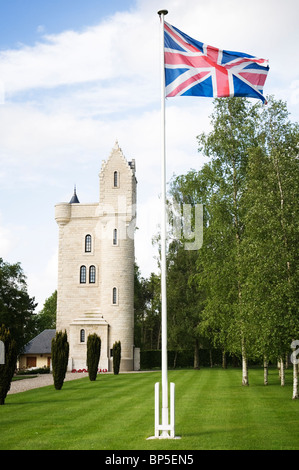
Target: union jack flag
[{"x": 193, "y": 68}]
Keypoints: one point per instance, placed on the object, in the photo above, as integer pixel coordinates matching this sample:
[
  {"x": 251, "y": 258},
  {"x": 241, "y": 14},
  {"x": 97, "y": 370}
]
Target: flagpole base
[
  {"x": 164, "y": 430},
  {"x": 162, "y": 437}
]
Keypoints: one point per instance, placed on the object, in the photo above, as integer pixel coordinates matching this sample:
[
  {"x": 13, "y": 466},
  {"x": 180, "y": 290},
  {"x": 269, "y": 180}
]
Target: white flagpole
[
  {"x": 164, "y": 364},
  {"x": 167, "y": 428}
]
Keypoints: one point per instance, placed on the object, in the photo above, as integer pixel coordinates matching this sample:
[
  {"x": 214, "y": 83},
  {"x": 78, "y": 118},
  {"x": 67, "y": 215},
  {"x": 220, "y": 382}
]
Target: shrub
[
  {"x": 151, "y": 359},
  {"x": 116, "y": 357},
  {"x": 60, "y": 355},
  {"x": 36, "y": 370},
  {"x": 93, "y": 355},
  {"x": 8, "y": 368}
]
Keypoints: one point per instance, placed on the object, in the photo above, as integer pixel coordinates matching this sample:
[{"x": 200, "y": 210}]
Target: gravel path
[{"x": 41, "y": 381}]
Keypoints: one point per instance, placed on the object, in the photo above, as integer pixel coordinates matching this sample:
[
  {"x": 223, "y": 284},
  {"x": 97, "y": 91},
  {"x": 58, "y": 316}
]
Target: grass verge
[{"x": 116, "y": 412}]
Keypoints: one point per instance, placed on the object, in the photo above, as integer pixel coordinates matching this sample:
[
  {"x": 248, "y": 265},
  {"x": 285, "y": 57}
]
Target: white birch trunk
[
  {"x": 244, "y": 368},
  {"x": 295, "y": 380},
  {"x": 278, "y": 367}
]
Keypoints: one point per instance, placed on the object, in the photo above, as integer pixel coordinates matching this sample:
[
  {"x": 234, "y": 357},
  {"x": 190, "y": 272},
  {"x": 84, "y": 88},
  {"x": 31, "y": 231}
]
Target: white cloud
[
  {"x": 64, "y": 59},
  {"x": 102, "y": 53},
  {"x": 37, "y": 286},
  {"x": 126, "y": 45},
  {"x": 294, "y": 89},
  {"x": 148, "y": 219},
  {"x": 67, "y": 98},
  {"x": 5, "y": 241}
]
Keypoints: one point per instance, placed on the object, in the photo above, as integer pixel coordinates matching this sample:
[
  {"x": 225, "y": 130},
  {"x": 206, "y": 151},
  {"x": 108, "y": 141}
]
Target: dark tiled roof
[
  {"x": 41, "y": 344},
  {"x": 74, "y": 199}
]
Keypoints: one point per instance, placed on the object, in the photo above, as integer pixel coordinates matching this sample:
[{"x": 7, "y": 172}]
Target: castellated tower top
[
  {"x": 117, "y": 179},
  {"x": 117, "y": 189}
]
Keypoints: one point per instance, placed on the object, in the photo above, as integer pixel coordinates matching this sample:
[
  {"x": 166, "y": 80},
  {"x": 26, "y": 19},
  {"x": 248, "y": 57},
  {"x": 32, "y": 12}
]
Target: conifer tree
[
  {"x": 116, "y": 357},
  {"x": 60, "y": 354},
  {"x": 93, "y": 355},
  {"x": 8, "y": 368}
]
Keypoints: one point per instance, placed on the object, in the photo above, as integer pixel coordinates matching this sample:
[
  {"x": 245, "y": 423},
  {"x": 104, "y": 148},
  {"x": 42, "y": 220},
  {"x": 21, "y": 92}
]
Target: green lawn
[{"x": 213, "y": 411}]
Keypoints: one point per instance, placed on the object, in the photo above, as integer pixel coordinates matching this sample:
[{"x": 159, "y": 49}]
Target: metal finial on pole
[{"x": 162, "y": 12}]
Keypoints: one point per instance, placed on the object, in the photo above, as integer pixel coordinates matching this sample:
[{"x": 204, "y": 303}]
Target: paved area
[
  {"x": 41, "y": 381},
  {"x": 47, "y": 379}
]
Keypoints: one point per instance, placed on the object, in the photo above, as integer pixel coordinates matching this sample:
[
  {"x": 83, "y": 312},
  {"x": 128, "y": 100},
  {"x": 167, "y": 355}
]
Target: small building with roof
[{"x": 37, "y": 352}]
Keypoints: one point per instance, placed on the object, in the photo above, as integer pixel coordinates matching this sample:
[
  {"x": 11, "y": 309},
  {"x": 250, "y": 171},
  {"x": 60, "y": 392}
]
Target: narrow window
[
  {"x": 92, "y": 274},
  {"x": 114, "y": 296},
  {"x": 83, "y": 275},
  {"x": 115, "y": 179},
  {"x": 88, "y": 244},
  {"x": 82, "y": 336},
  {"x": 115, "y": 236}
]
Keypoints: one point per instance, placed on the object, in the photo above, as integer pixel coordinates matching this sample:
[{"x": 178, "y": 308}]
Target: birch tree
[
  {"x": 270, "y": 241},
  {"x": 227, "y": 145},
  {"x": 247, "y": 269}
]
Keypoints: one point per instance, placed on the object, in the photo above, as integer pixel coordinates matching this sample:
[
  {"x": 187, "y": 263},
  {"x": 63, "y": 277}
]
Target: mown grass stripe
[{"x": 213, "y": 411}]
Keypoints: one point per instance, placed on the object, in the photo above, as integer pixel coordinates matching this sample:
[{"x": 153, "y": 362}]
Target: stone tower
[{"x": 96, "y": 266}]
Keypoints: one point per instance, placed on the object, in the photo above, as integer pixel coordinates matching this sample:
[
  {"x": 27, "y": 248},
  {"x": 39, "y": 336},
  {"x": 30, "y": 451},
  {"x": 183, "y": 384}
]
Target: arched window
[
  {"x": 82, "y": 336},
  {"x": 114, "y": 296},
  {"x": 82, "y": 274},
  {"x": 88, "y": 244},
  {"x": 115, "y": 179},
  {"x": 115, "y": 236},
  {"x": 92, "y": 274}
]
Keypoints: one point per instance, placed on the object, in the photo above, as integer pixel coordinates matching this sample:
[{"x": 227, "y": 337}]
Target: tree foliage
[
  {"x": 46, "y": 318},
  {"x": 116, "y": 357},
  {"x": 8, "y": 368},
  {"x": 252, "y": 230},
  {"x": 246, "y": 273},
  {"x": 240, "y": 291},
  {"x": 93, "y": 355},
  {"x": 60, "y": 354},
  {"x": 147, "y": 306},
  {"x": 270, "y": 247},
  {"x": 16, "y": 306}
]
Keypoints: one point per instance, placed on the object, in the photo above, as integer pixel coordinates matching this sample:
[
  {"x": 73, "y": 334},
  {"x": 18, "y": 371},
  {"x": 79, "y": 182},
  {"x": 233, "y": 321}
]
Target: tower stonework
[{"x": 95, "y": 292}]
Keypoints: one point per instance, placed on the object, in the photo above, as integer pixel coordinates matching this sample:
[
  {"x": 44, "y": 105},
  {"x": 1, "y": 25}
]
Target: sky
[{"x": 77, "y": 75}]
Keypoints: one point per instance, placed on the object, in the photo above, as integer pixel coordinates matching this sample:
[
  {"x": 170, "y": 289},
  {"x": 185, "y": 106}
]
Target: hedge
[{"x": 151, "y": 359}]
